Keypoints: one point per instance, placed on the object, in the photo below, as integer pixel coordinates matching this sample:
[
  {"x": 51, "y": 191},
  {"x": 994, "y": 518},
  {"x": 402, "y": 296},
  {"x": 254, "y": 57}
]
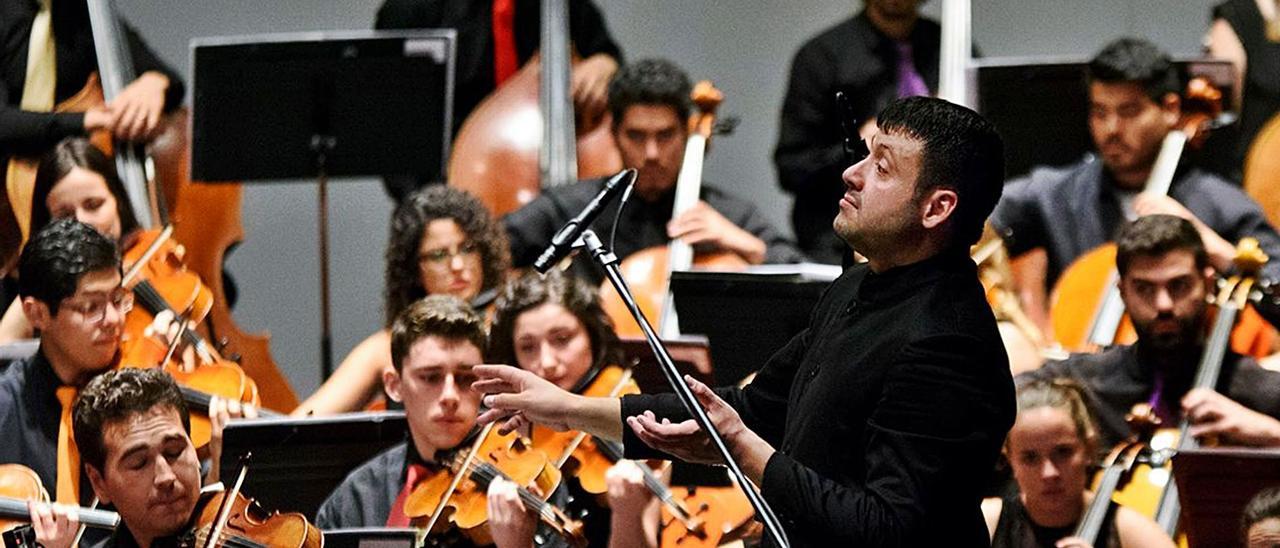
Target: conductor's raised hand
[{"x": 517, "y": 398}]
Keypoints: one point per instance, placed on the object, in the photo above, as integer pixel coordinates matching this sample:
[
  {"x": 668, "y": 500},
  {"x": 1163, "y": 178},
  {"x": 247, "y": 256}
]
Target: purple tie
[{"x": 910, "y": 83}]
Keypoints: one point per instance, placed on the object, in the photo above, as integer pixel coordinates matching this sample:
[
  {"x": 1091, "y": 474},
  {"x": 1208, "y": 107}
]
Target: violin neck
[
  {"x": 16, "y": 509},
  {"x": 199, "y": 401},
  {"x": 1095, "y": 514}
]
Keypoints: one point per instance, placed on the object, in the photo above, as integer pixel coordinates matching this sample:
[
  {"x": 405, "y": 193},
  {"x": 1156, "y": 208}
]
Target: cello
[
  {"x": 1153, "y": 490},
  {"x": 648, "y": 272},
  {"x": 1085, "y": 308},
  {"x": 521, "y": 138}
]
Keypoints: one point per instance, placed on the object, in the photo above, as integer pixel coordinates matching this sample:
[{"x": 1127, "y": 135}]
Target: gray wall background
[{"x": 745, "y": 46}]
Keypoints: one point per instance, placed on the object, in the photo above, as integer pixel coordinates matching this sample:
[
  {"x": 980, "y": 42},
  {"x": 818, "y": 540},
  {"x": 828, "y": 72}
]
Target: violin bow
[
  {"x": 458, "y": 476},
  {"x": 228, "y": 502}
]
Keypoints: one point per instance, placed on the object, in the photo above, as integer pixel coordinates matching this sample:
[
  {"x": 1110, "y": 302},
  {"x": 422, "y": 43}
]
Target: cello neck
[
  {"x": 558, "y": 159},
  {"x": 956, "y": 50},
  {"x": 115, "y": 69}
]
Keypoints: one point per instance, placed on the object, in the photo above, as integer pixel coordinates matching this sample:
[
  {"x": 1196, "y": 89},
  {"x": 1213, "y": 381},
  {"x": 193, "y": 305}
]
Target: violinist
[
  {"x": 553, "y": 326},
  {"x": 443, "y": 242},
  {"x": 434, "y": 344},
  {"x": 650, "y": 103},
  {"x": 495, "y": 39},
  {"x": 879, "y": 424},
  {"x": 1133, "y": 104},
  {"x": 75, "y": 180},
  {"x": 1165, "y": 277},
  {"x": 47, "y": 56},
  {"x": 1049, "y": 448}
]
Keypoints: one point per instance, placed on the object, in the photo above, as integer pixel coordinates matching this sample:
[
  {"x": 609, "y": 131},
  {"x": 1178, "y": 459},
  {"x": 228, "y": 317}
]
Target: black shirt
[
  {"x": 31, "y": 132},
  {"x": 29, "y": 419},
  {"x": 1016, "y": 529},
  {"x": 1261, "y": 100},
  {"x": 473, "y": 19},
  {"x": 641, "y": 226},
  {"x": 1119, "y": 377},
  {"x": 888, "y": 411},
  {"x": 856, "y": 58}
]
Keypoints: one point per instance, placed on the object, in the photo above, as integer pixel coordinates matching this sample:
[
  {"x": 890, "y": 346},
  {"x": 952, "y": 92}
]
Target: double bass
[{"x": 524, "y": 136}]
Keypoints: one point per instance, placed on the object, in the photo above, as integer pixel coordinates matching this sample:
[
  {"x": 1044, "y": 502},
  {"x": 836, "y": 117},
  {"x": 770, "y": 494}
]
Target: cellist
[
  {"x": 495, "y": 39},
  {"x": 1133, "y": 103},
  {"x": 650, "y": 103},
  {"x": 1165, "y": 277}
]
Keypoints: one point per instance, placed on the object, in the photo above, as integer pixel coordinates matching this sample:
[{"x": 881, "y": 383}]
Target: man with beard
[
  {"x": 1165, "y": 278},
  {"x": 1133, "y": 104},
  {"x": 650, "y": 104}
]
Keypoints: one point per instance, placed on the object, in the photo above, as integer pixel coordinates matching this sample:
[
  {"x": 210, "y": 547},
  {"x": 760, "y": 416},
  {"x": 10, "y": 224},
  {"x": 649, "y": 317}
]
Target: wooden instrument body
[
  {"x": 20, "y": 484},
  {"x": 247, "y": 524},
  {"x": 725, "y": 508},
  {"x": 646, "y": 272},
  {"x": 577, "y": 454},
  {"x": 1262, "y": 170}
]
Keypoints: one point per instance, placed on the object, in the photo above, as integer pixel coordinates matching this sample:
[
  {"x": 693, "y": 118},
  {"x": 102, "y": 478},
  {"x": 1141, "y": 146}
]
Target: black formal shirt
[
  {"x": 887, "y": 412},
  {"x": 1016, "y": 530},
  {"x": 1070, "y": 211},
  {"x": 858, "y": 59},
  {"x": 1119, "y": 377},
  {"x": 29, "y": 418},
  {"x": 473, "y": 19},
  {"x": 641, "y": 226},
  {"x": 24, "y": 132}
]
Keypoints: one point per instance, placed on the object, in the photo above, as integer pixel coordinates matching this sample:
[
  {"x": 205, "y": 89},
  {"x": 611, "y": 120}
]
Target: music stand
[
  {"x": 691, "y": 353},
  {"x": 371, "y": 537},
  {"x": 1214, "y": 485},
  {"x": 320, "y": 104},
  {"x": 748, "y": 315},
  {"x": 1024, "y": 95},
  {"x": 298, "y": 461}
]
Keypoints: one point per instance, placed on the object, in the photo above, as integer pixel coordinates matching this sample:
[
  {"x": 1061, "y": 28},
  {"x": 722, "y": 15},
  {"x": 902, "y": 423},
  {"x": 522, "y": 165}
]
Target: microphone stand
[{"x": 609, "y": 262}]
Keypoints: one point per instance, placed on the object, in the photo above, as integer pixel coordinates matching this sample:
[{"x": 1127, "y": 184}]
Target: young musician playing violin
[
  {"x": 650, "y": 103},
  {"x": 443, "y": 242},
  {"x": 553, "y": 326},
  {"x": 1134, "y": 103},
  {"x": 1165, "y": 278},
  {"x": 1049, "y": 448},
  {"x": 434, "y": 344},
  {"x": 70, "y": 289},
  {"x": 879, "y": 424},
  {"x": 74, "y": 180}
]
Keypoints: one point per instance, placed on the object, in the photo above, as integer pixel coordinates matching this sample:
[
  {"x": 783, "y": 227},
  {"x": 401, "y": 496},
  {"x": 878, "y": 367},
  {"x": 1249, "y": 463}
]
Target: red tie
[
  {"x": 397, "y": 518},
  {"x": 505, "y": 63}
]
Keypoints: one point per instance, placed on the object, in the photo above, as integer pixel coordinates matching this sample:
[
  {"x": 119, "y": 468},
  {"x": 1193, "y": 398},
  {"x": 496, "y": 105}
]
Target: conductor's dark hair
[
  {"x": 1134, "y": 60},
  {"x": 961, "y": 151},
  {"x": 115, "y": 397},
  {"x": 1263, "y": 506},
  {"x": 69, "y": 154},
  {"x": 1156, "y": 235},
  {"x": 650, "y": 82},
  {"x": 55, "y": 259}
]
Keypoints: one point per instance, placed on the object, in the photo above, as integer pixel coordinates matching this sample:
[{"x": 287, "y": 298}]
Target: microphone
[{"x": 564, "y": 239}]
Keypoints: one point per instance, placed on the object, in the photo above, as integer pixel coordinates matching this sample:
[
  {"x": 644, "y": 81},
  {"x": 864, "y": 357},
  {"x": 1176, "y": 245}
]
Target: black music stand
[
  {"x": 320, "y": 104},
  {"x": 1214, "y": 485},
  {"x": 298, "y": 462},
  {"x": 748, "y": 315}
]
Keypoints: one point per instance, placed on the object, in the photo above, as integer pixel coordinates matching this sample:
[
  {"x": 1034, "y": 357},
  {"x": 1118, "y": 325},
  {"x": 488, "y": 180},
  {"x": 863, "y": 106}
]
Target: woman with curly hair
[
  {"x": 443, "y": 241},
  {"x": 553, "y": 326}
]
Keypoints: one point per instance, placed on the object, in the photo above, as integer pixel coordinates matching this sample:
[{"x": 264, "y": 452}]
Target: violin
[
  {"x": 229, "y": 519},
  {"x": 460, "y": 489},
  {"x": 648, "y": 271},
  {"x": 691, "y": 516},
  {"x": 19, "y": 486}
]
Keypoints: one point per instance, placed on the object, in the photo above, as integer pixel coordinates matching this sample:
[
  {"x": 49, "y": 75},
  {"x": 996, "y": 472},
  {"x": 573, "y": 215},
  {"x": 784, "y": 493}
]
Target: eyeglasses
[
  {"x": 441, "y": 257},
  {"x": 95, "y": 311}
]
